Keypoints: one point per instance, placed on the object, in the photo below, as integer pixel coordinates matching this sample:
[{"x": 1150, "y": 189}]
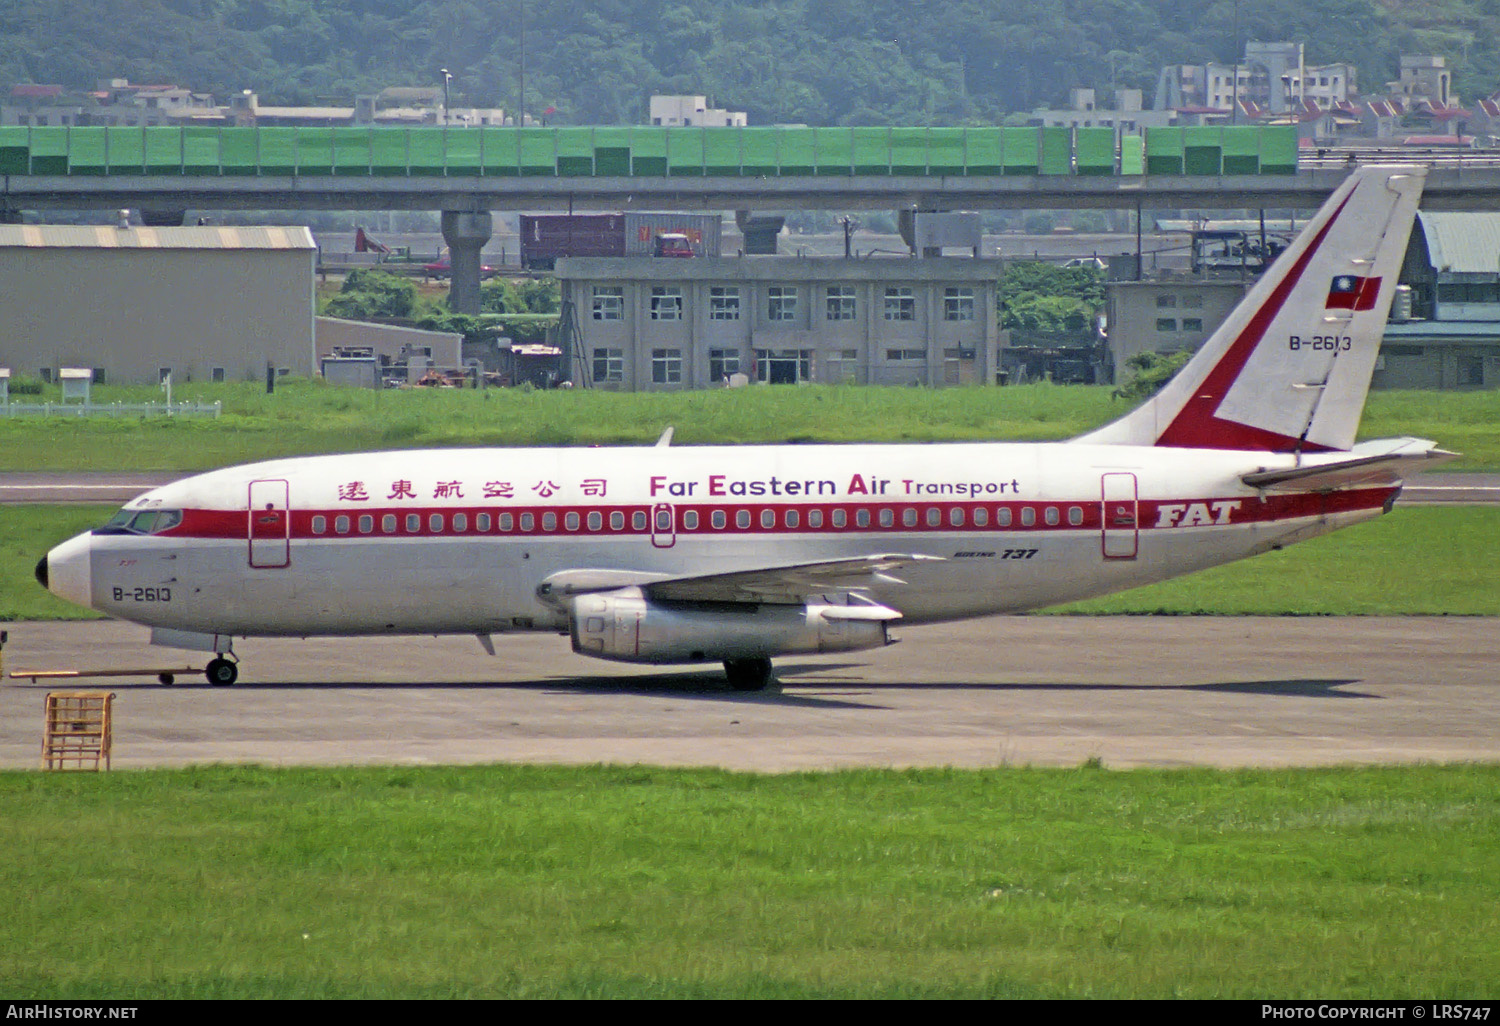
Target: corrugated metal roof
[
  {"x": 67, "y": 236},
  {"x": 1462, "y": 243}
]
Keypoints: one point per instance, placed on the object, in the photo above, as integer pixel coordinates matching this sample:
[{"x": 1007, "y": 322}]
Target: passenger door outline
[
  {"x": 268, "y": 524},
  {"x": 663, "y": 525},
  {"x": 1119, "y": 509}
]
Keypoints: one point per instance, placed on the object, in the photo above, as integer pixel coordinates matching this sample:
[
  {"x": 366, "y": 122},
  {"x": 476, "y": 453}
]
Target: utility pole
[{"x": 1234, "y": 110}]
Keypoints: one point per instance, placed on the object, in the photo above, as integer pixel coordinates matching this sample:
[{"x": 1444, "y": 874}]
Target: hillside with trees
[{"x": 822, "y": 62}]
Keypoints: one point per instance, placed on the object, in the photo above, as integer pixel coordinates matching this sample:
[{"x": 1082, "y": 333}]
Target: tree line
[{"x": 817, "y": 62}]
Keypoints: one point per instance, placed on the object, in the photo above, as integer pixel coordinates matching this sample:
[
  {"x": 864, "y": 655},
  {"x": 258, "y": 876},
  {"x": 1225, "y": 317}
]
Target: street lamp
[{"x": 446, "y": 79}]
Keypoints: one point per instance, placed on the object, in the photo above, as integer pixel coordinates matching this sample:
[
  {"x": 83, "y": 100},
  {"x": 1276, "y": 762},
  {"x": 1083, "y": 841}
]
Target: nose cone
[{"x": 67, "y": 571}]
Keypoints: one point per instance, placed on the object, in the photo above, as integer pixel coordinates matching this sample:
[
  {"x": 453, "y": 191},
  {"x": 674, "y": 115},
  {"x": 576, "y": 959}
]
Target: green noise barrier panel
[
  {"x": 1202, "y": 150},
  {"x": 538, "y": 153},
  {"x": 796, "y": 151},
  {"x": 648, "y": 152},
  {"x": 645, "y": 151},
  {"x": 314, "y": 151},
  {"x": 200, "y": 151},
  {"x": 15, "y": 150},
  {"x": 1241, "y": 147},
  {"x": 163, "y": 148},
  {"x": 1057, "y": 157},
  {"x": 1022, "y": 151},
  {"x": 984, "y": 151},
  {"x": 278, "y": 152},
  {"x": 835, "y": 148},
  {"x": 1163, "y": 151},
  {"x": 1094, "y": 151},
  {"x": 461, "y": 153},
  {"x": 575, "y": 152},
  {"x": 351, "y": 151},
  {"x": 612, "y": 152},
  {"x": 759, "y": 152},
  {"x": 502, "y": 152},
  {"x": 908, "y": 151},
  {"x": 125, "y": 151},
  {"x": 1278, "y": 150},
  {"x": 945, "y": 151},
  {"x": 871, "y": 150},
  {"x": 426, "y": 157},
  {"x": 239, "y": 154},
  {"x": 86, "y": 151},
  {"x": 49, "y": 151},
  {"x": 685, "y": 152},
  {"x": 721, "y": 154}
]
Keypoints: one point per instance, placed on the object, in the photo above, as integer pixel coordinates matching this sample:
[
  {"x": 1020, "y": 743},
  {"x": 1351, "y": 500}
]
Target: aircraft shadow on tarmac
[{"x": 710, "y": 684}]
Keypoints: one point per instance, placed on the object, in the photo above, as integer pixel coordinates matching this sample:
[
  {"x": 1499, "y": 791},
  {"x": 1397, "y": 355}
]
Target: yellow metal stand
[{"x": 77, "y": 730}]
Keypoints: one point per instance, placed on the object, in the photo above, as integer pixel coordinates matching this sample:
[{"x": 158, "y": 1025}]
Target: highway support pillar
[{"x": 465, "y": 232}]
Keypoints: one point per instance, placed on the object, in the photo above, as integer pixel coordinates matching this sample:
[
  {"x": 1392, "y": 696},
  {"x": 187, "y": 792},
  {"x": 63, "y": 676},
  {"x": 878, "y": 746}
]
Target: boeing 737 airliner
[{"x": 671, "y": 554}]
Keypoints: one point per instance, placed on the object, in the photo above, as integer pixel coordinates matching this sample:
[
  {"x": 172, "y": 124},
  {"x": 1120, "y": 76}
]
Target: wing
[{"x": 788, "y": 583}]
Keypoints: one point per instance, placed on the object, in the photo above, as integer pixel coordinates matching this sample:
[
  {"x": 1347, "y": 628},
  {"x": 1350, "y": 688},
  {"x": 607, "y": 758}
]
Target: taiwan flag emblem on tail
[{"x": 1351, "y": 292}]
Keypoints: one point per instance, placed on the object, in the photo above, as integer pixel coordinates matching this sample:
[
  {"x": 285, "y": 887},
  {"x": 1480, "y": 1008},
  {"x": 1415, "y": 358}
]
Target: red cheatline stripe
[
  {"x": 1197, "y": 425},
  {"x": 773, "y": 518}
]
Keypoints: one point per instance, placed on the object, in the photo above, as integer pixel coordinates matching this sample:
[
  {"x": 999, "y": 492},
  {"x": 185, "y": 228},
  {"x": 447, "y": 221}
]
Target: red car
[{"x": 441, "y": 268}]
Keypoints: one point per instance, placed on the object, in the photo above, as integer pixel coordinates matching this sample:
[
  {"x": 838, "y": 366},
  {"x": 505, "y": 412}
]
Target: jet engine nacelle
[{"x": 628, "y": 627}]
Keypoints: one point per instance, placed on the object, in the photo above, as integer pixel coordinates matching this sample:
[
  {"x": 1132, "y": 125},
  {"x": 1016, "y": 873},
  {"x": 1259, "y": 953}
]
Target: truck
[{"x": 547, "y": 237}]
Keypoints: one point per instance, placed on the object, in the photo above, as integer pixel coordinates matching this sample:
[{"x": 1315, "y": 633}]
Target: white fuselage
[{"x": 458, "y": 541}]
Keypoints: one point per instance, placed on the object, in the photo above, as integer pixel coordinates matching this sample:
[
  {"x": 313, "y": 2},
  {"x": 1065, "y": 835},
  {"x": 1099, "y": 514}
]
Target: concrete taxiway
[{"x": 1040, "y": 690}]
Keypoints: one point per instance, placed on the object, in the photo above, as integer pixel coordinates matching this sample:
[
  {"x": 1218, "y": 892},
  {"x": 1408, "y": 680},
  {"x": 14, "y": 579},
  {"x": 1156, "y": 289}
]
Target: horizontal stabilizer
[{"x": 1381, "y": 462}]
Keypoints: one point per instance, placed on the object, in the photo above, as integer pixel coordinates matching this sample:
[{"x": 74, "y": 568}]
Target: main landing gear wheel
[
  {"x": 748, "y": 674},
  {"x": 221, "y": 672}
]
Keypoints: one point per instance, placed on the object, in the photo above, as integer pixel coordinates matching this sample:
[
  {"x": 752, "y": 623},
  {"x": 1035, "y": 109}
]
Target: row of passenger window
[
  {"x": 885, "y": 516},
  {"x": 718, "y": 520},
  {"x": 439, "y": 523}
]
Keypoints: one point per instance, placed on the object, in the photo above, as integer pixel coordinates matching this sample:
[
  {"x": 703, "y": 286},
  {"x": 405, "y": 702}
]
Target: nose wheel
[{"x": 221, "y": 672}]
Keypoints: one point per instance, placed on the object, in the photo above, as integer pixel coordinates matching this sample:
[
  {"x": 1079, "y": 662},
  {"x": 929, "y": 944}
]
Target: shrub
[{"x": 1152, "y": 371}]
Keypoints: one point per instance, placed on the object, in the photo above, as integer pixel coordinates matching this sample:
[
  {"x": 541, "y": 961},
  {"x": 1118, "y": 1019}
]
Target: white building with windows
[
  {"x": 1161, "y": 315},
  {"x": 693, "y": 112},
  {"x": 661, "y": 325}
]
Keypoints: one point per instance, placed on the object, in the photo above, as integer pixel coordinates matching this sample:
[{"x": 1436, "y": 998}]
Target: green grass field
[
  {"x": 305, "y": 417},
  {"x": 515, "y": 881},
  {"x": 521, "y": 881},
  {"x": 1427, "y": 560}
]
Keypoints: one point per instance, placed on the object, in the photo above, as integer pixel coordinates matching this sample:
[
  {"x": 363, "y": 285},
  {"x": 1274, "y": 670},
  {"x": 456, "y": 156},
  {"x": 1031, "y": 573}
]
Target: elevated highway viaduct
[{"x": 467, "y": 201}]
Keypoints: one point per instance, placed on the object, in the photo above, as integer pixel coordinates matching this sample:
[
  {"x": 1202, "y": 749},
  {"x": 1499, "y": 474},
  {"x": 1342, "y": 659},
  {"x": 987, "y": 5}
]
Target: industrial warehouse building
[
  {"x": 1444, "y": 326},
  {"x": 663, "y": 325},
  {"x": 1445, "y": 331},
  {"x": 203, "y": 303}
]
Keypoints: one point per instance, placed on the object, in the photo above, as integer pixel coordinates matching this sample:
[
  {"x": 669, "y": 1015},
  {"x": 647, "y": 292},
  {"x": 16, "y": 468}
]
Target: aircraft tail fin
[{"x": 1289, "y": 368}]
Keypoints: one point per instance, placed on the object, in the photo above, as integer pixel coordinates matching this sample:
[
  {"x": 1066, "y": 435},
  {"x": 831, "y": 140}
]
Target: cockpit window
[{"x": 146, "y": 521}]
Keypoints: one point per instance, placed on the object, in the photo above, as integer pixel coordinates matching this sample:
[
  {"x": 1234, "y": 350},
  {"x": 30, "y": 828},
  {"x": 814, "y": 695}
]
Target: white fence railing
[{"x": 91, "y": 409}]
